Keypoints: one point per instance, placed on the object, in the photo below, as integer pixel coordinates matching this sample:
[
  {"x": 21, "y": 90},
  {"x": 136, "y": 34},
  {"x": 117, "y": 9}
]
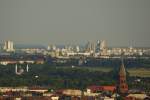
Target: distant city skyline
[{"x": 75, "y": 22}]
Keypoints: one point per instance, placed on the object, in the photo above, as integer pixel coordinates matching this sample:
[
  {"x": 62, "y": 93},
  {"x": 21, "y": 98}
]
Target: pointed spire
[
  {"x": 123, "y": 87},
  {"x": 122, "y": 70}
]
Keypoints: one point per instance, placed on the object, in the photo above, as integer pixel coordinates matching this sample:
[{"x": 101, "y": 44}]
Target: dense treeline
[
  {"x": 57, "y": 77},
  {"x": 63, "y": 77}
]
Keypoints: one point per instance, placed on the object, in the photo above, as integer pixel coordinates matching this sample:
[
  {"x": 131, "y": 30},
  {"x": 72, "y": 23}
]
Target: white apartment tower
[
  {"x": 103, "y": 45},
  {"x": 103, "y": 48},
  {"x": 9, "y": 46}
]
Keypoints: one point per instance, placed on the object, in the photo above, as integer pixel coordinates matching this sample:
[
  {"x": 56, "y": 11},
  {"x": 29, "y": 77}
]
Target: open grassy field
[
  {"x": 142, "y": 72},
  {"x": 103, "y": 69}
]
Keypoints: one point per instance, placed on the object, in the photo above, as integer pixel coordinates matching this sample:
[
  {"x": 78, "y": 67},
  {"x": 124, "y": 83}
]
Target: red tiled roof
[
  {"x": 109, "y": 88},
  {"x": 102, "y": 88}
]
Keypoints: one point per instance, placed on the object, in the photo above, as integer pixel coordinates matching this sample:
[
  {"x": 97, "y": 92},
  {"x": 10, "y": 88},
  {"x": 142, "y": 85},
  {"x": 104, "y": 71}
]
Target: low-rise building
[
  {"x": 94, "y": 89},
  {"x": 136, "y": 97}
]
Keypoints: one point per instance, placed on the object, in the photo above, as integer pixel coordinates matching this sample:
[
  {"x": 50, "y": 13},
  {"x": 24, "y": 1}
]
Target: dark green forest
[{"x": 57, "y": 77}]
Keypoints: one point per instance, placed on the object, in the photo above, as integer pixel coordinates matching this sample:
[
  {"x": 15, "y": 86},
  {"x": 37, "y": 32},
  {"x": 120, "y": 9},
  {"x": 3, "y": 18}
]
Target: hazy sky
[{"x": 119, "y": 22}]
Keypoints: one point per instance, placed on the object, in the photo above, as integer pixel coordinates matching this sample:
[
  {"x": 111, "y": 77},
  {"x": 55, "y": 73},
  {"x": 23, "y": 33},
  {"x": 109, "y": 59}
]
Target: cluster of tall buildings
[
  {"x": 8, "y": 46},
  {"x": 100, "y": 46},
  {"x": 100, "y": 49},
  {"x": 92, "y": 49}
]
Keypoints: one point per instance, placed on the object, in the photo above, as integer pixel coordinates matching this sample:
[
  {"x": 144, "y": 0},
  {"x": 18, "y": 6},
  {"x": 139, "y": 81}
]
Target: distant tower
[
  {"x": 77, "y": 48},
  {"x": 98, "y": 46},
  {"x": 16, "y": 69},
  {"x": 122, "y": 85},
  {"x": 48, "y": 48},
  {"x": 103, "y": 48},
  {"x": 103, "y": 45},
  {"x": 27, "y": 68},
  {"x": 9, "y": 46},
  {"x": 90, "y": 47}
]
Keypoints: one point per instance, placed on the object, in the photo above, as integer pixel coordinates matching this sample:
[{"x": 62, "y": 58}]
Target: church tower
[{"x": 122, "y": 85}]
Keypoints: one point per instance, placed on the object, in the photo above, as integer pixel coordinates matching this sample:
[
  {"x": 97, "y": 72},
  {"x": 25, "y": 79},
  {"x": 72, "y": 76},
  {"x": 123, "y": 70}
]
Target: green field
[
  {"x": 142, "y": 72},
  {"x": 103, "y": 69}
]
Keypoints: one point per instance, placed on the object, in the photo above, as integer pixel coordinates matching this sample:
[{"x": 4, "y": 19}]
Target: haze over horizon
[{"x": 119, "y": 22}]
